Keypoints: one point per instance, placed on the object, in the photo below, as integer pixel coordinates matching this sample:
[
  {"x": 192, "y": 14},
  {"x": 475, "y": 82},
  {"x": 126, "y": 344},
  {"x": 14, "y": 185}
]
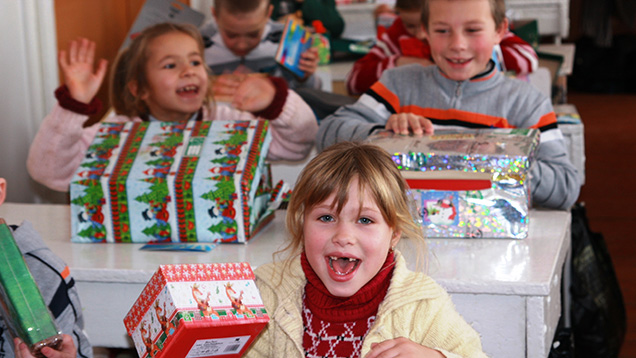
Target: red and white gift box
[{"x": 197, "y": 310}]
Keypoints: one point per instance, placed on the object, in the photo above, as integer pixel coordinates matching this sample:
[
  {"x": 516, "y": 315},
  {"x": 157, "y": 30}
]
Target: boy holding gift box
[
  {"x": 57, "y": 286},
  {"x": 462, "y": 89},
  {"x": 241, "y": 38}
]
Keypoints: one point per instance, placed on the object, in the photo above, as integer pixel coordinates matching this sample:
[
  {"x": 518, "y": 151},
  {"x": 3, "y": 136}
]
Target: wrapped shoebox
[
  {"x": 173, "y": 182},
  {"x": 467, "y": 183},
  {"x": 22, "y": 307},
  {"x": 197, "y": 310}
]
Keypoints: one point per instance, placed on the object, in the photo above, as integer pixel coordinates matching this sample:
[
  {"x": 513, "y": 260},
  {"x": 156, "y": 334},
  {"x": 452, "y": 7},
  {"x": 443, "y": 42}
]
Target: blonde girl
[
  {"x": 344, "y": 290},
  {"x": 161, "y": 76}
]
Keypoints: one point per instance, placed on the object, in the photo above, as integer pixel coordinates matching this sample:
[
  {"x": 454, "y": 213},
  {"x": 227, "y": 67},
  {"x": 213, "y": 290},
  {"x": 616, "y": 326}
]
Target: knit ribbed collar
[{"x": 362, "y": 304}]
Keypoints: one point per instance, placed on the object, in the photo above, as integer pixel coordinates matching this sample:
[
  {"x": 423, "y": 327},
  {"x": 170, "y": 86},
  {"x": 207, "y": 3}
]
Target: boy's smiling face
[
  {"x": 242, "y": 32},
  {"x": 462, "y": 34}
]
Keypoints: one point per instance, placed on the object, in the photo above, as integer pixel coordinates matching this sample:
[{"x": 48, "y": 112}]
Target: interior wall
[{"x": 29, "y": 73}]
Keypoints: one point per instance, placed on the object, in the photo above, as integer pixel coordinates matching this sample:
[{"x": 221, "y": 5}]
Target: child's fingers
[
  {"x": 101, "y": 70},
  {"x": 83, "y": 49},
  {"x": 63, "y": 60},
  {"x": 21, "y": 349},
  {"x": 72, "y": 52},
  {"x": 90, "y": 52}
]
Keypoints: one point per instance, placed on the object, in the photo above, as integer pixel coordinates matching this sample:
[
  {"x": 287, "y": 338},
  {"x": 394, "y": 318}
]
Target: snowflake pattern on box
[
  {"x": 498, "y": 209},
  {"x": 173, "y": 182}
]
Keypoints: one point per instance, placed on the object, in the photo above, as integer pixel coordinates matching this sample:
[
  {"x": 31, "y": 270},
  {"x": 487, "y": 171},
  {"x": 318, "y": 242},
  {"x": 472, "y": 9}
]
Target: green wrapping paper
[{"x": 21, "y": 302}]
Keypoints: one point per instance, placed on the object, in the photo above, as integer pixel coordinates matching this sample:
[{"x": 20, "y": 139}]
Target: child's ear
[
  {"x": 270, "y": 9},
  {"x": 396, "y": 238},
  {"x": 134, "y": 90},
  {"x": 213, "y": 12},
  {"x": 502, "y": 29},
  {"x": 425, "y": 31},
  {"x": 3, "y": 190}
]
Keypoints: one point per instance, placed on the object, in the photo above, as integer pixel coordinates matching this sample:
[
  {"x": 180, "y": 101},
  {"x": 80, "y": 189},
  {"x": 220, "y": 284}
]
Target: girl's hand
[
  {"x": 402, "y": 348},
  {"x": 77, "y": 68},
  {"x": 309, "y": 62},
  {"x": 401, "y": 123},
  {"x": 67, "y": 349},
  {"x": 254, "y": 94}
]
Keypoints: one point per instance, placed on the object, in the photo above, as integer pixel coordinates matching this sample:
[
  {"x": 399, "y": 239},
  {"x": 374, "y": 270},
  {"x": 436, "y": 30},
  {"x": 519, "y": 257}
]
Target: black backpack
[{"x": 598, "y": 317}]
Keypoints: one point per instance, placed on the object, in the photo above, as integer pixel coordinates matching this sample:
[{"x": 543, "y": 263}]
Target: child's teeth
[{"x": 343, "y": 265}]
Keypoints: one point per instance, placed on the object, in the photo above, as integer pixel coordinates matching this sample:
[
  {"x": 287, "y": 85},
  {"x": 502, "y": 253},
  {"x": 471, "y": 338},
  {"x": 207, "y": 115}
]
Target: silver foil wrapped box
[{"x": 467, "y": 183}]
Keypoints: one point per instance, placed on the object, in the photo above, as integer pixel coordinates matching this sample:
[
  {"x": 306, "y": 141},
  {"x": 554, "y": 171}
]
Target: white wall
[{"x": 28, "y": 75}]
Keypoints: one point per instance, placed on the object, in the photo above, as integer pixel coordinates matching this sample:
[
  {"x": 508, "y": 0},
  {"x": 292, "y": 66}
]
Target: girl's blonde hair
[
  {"x": 332, "y": 171},
  {"x": 130, "y": 67}
]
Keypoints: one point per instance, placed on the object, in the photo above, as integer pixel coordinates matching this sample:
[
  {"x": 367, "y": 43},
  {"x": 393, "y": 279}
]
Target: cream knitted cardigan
[{"x": 415, "y": 307}]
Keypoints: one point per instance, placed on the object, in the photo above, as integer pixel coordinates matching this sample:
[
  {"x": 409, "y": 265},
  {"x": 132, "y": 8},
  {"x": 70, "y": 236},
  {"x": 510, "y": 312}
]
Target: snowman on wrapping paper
[{"x": 440, "y": 212}]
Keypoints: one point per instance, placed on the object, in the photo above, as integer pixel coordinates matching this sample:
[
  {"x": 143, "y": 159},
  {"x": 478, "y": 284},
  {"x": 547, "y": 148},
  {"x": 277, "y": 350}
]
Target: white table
[{"x": 509, "y": 290}]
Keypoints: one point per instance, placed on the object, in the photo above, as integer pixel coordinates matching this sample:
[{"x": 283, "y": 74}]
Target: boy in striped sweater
[
  {"x": 403, "y": 43},
  {"x": 462, "y": 89},
  {"x": 58, "y": 290}
]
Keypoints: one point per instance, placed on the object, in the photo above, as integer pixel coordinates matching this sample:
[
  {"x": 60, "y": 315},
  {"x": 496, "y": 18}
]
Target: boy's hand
[
  {"x": 403, "y": 348},
  {"x": 401, "y": 123},
  {"x": 224, "y": 86},
  {"x": 309, "y": 62},
  {"x": 77, "y": 69},
  {"x": 254, "y": 94},
  {"x": 67, "y": 349}
]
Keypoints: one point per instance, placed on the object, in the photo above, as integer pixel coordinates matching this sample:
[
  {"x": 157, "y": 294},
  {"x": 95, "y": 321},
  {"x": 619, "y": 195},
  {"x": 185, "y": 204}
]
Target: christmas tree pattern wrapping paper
[
  {"x": 174, "y": 182},
  {"x": 22, "y": 305},
  {"x": 467, "y": 183},
  {"x": 197, "y": 310}
]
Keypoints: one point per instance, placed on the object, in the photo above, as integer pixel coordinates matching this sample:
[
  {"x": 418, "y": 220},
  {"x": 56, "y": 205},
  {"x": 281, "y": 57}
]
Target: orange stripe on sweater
[
  {"x": 387, "y": 95},
  {"x": 546, "y": 120},
  {"x": 471, "y": 117},
  {"x": 65, "y": 273}
]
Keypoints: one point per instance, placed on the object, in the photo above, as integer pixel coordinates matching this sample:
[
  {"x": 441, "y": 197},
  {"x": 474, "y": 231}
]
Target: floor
[{"x": 609, "y": 192}]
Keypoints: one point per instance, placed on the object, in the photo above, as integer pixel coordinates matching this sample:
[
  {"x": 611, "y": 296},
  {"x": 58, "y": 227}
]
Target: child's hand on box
[
  {"x": 254, "y": 94},
  {"x": 309, "y": 62},
  {"x": 77, "y": 68},
  {"x": 401, "y": 123},
  {"x": 67, "y": 349},
  {"x": 401, "y": 347}
]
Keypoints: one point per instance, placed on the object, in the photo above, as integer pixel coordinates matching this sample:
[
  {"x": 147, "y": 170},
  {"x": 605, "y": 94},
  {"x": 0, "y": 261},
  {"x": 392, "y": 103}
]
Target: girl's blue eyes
[
  {"x": 329, "y": 218},
  {"x": 365, "y": 221}
]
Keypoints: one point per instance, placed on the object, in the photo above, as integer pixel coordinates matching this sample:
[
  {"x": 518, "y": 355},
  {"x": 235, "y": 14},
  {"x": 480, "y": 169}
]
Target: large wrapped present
[
  {"x": 197, "y": 310},
  {"x": 173, "y": 182},
  {"x": 21, "y": 304},
  {"x": 467, "y": 183}
]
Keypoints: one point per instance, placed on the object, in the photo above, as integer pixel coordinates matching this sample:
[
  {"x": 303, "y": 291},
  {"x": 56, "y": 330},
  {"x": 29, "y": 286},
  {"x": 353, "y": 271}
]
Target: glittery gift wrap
[
  {"x": 197, "y": 310},
  {"x": 173, "y": 182},
  {"x": 467, "y": 183},
  {"x": 21, "y": 303}
]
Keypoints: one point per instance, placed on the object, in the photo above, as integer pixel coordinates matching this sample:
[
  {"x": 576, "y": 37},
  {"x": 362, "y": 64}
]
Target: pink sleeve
[
  {"x": 293, "y": 131},
  {"x": 59, "y": 147}
]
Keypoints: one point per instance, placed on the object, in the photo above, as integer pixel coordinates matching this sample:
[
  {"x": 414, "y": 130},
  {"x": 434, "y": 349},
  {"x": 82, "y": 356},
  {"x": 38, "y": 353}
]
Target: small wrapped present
[
  {"x": 467, "y": 183},
  {"x": 21, "y": 304},
  {"x": 174, "y": 182},
  {"x": 197, "y": 310}
]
